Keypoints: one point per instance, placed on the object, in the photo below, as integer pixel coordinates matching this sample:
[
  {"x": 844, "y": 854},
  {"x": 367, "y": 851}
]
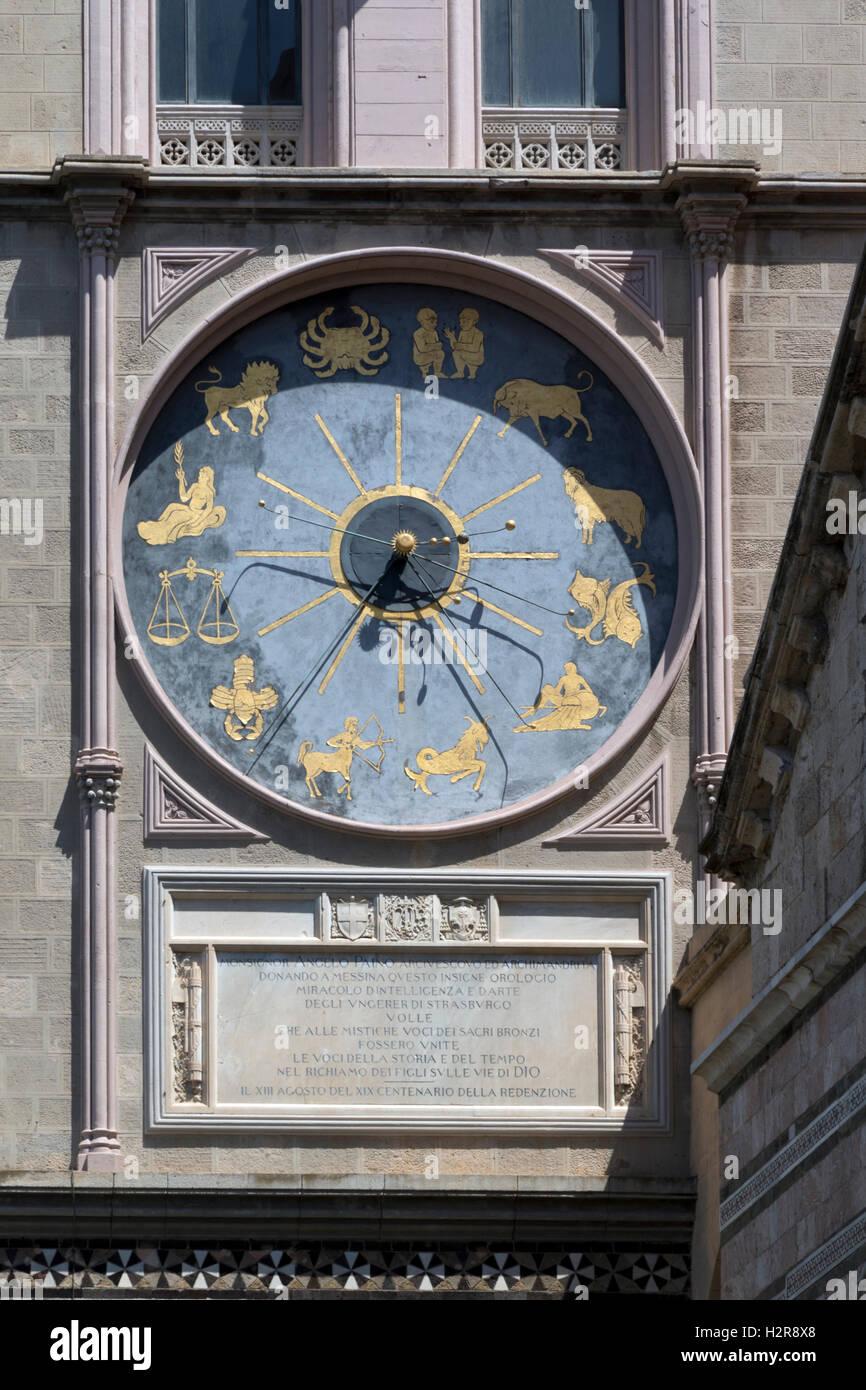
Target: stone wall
[
  {"x": 40, "y": 81},
  {"x": 38, "y": 817},
  {"x": 806, "y": 59}
]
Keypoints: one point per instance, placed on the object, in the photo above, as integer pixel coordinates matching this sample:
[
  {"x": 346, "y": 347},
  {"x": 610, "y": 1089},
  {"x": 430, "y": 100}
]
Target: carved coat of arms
[{"x": 352, "y": 919}]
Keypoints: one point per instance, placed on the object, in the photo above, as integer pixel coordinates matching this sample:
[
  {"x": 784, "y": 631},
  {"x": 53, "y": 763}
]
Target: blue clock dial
[{"x": 400, "y": 555}]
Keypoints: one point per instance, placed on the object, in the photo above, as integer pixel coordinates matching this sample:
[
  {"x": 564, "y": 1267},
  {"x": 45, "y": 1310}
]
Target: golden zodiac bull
[
  {"x": 258, "y": 382},
  {"x": 457, "y": 762},
  {"x": 615, "y": 610},
  {"x": 529, "y": 400},
  {"x": 595, "y": 506}
]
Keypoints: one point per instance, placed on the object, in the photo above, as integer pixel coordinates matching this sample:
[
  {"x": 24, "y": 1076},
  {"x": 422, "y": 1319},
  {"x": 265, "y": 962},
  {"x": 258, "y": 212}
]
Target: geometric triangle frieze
[
  {"x": 171, "y": 274},
  {"x": 638, "y": 816},
  {"x": 633, "y": 277},
  {"x": 173, "y": 811}
]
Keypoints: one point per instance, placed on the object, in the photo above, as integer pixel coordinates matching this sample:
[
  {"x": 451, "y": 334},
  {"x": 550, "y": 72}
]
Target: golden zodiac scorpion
[
  {"x": 256, "y": 386},
  {"x": 244, "y": 704},
  {"x": 529, "y": 400},
  {"x": 615, "y": 609},
  {"x": 348, "y": 745},
  {"x": 457, "y": 762}
]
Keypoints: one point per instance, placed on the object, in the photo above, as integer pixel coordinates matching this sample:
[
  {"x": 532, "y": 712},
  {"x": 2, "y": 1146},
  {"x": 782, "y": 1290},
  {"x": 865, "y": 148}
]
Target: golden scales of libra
[{"x": 168, "y": 626}]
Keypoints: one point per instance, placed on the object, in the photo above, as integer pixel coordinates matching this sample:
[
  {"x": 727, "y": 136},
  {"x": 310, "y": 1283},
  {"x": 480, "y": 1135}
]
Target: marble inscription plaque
[{"x": 308, "y": 1029}]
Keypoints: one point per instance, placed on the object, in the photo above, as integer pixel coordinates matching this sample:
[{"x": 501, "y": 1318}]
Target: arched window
[
  {"x": 554, "y": 84},
  {"x": 229, "y": 52}
]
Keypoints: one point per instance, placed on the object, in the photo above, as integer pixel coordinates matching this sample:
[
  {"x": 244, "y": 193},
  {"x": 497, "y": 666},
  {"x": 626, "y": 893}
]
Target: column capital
[
  {"x": 707, "y": 779},
  {"x": 711, "y": 196},
  {"x": 97, "y": 774},
  {"x": 99, "y": 192}
]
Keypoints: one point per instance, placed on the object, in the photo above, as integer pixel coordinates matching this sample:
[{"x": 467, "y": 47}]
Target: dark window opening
[
  {"x": 229, "y": 52},
  {"x": 553, "y": 53}
]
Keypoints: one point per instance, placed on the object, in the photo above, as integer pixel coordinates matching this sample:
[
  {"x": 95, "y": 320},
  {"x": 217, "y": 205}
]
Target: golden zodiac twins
[{"x": 467, "y": 347}]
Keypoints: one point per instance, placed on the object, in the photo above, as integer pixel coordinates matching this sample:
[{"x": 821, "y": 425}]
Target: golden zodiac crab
[{"x": 359, "y": 347}]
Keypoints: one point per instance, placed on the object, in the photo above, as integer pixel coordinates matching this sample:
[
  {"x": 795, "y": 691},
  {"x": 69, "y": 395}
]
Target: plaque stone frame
[{"x": 559, "y": 941}]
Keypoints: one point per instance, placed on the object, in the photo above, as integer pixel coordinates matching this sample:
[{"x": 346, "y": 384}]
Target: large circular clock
[{"x": 400, "y": 556}]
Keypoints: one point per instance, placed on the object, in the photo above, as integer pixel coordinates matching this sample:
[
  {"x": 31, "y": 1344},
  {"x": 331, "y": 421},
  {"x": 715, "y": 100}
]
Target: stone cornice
[
  {"x": 711, "y": 197},
  {"x": 98, "y": 192},
  {"x": 704, "y": 962},
  {"x": 794, "y": 635},
  {"x": 820, "y": 961}
]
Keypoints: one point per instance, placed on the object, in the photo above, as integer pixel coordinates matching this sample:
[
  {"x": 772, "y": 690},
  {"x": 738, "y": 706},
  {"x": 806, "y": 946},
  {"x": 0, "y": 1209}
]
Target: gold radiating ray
[
  {"x": 458, "y": 456},
  {"x": 503, "y": 613},
  {"x": 341, "y": 456},
  {"x": 280, "y": 554},
  {"x": 398, "y": 429},
  {"x": 503, "y": 497},
  {"x": 437, "y": 617},
  {"x": 314, "y": 603},
  {"x": 335, "y": 664},
  {"x": 299, "y": 496}
]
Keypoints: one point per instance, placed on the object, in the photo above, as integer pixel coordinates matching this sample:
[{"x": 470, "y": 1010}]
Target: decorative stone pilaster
[
  {"x": 98, "y": 193},
  {"x": 710, "y": 199}
]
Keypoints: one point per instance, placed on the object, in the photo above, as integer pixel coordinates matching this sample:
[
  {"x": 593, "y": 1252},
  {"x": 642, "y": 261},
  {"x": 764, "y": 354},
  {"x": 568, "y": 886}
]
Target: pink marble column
[
  {"x": 98, "y": 193},
  {"x": 711, "y": 199}
]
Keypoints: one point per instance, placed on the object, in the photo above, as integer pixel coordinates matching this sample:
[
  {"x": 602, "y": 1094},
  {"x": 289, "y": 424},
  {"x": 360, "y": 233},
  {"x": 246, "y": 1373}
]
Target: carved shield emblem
[
  {"x": 352, "y": 919},
  {"x": 464, "y": 918}
]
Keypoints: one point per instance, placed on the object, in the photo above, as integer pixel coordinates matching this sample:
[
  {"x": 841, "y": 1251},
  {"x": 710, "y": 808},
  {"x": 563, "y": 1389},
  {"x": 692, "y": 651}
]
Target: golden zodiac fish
[
  {"x": 457, "y": 762},
  {"x": 359, "y": 347},
  {"x": 615, "y": 609},
  {"x": 244, "y": 704},
  {"x": 572, "y": 704},
  {"x": 256, "y": 386},
  {"x": 597, "y": 506},
  {"x": 192, "y": 515},
  {"x": 467, "y": 348},
  {"x": 168, "y": 626},
  {"x": 348, "y": 744},
  {"x": 428, "y": 353},
  {"x": 529, "y": 400}
]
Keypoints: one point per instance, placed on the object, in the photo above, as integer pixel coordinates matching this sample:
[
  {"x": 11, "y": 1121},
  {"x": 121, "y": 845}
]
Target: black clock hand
[{"x": 485, "y": 669}]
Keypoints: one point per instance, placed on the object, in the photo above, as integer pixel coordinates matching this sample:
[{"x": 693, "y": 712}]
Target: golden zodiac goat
[
  {"x": 457, "y": 762},
  {"x": 596, "y": 506},
  {"x": 615, "y": 610},
  {"x": 257, "y": 384},
  {"x": 529, "y": 400}
]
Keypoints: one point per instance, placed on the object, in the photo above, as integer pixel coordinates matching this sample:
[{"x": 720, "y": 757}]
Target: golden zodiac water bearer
[
  {"x": 571, "y": 703},
  {"x": 244, "y": 704},
  {"x": 457, "y": 762},
  {"x": 615, "y": 609},
  {"x": 192, "y": 515},
  {"x": 256, "y": 386},
  {"x": 349, "y": 744}
]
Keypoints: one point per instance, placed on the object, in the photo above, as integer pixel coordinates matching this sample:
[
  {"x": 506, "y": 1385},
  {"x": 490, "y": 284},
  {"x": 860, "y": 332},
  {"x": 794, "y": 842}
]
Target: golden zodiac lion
[
  {"x": 595, "y": 506},
  {"x": 457, "y": 762},
  {"x": 258, "y": 382},
  {"x": 529, "y": 400},
  {"x": 615, "y": 610}
]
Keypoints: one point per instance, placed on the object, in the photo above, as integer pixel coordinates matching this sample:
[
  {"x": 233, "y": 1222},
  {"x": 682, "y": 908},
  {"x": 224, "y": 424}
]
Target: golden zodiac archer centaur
[
  {"x": 615, "y": 609},
  {"x": 529, "y": 400},
  {"x": 244, "y": 704},
  {"x": 257, "y": 384},
  {"x": 597, "y": 506},
  {"x": 194, "y": 514},
  {"x": 457, "y": 762},
  {"x": 348, "y": 744},
  {"x": 571, "y": 703}
]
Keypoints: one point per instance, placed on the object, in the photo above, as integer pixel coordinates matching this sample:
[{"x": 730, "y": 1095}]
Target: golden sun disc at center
[{"x": 404, "y": 542}]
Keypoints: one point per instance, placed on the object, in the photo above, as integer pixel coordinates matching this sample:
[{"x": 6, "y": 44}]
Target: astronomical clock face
[{"x": 400, "y": 555}]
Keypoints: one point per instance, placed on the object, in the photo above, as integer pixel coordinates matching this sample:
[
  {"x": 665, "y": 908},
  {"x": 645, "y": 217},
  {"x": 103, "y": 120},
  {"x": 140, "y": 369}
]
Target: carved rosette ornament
[
  {"x": 186, "y": 1028},
  {"x": 629, "y": 1032}
]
